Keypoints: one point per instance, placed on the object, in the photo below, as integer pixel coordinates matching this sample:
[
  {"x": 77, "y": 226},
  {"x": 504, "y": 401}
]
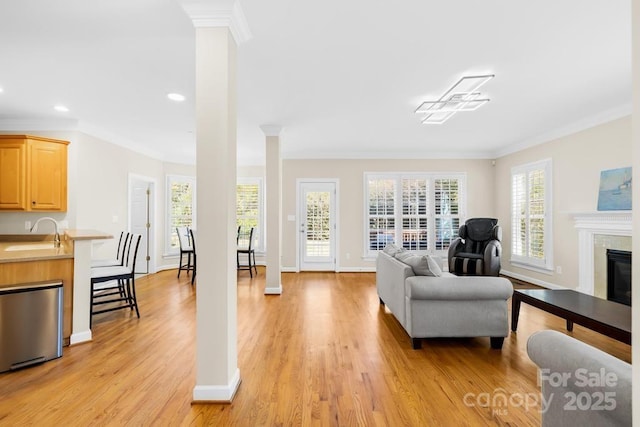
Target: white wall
[
  {"x": 350, "y": 173},
  {"x": 102, "y": 190},
  {"x": 577, "y": 162}
]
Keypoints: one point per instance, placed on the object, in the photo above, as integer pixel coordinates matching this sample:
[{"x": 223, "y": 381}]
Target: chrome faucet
[{"x": 56, "y": 236}]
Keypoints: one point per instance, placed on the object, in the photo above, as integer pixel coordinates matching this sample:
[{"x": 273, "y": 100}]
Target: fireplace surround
[{"x": 589, "y": 226}]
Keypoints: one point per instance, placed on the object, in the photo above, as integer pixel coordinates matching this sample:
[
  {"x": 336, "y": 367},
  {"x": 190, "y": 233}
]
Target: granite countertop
[
  {"x": 34, "y": 251},
  {"x": 23, "y": 248},
  {"x": 87, "y": 235}
]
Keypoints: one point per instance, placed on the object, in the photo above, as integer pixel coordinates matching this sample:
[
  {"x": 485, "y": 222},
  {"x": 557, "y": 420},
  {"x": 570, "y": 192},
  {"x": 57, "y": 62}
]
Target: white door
[
  {"x": 140, "y": 214},
  {"x": 317, "y": 225}
]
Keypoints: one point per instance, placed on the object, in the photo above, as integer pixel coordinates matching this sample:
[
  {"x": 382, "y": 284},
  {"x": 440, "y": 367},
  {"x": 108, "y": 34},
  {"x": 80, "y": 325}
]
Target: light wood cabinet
[{"x": 33, "y": 173}]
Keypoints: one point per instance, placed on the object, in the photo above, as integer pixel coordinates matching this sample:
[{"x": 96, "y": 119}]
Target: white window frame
[
  {"x": 430, "y": 177},
  {"x": 169, "y": 229},
  {"x": 527, "y": 261},
  {"x": 260, "y": 239}
]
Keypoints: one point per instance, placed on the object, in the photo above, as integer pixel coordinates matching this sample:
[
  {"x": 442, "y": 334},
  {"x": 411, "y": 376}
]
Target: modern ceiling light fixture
[
  {"x": 462, "y": 96},
  {"x": 61, "y": 108}
]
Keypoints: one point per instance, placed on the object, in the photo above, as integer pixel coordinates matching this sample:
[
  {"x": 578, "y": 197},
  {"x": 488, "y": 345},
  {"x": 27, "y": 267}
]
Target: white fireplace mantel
[{"x": 616, "y": 223}]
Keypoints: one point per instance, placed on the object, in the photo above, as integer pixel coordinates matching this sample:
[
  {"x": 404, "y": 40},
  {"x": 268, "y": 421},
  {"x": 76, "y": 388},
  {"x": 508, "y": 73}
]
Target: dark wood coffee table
[{"x": 606, "y": 317}]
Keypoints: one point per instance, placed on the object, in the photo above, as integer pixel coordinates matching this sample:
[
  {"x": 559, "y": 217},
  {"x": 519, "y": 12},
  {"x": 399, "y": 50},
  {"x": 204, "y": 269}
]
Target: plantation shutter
[
  {"x": 530, "y": 223},
  {"x": 181, "y": 207},
  {"x": 381, "y": 212},
  {"x": 447, "y": 211},
  {"x": 415, "y": 213},
  {"x": 248, "y": 211}
]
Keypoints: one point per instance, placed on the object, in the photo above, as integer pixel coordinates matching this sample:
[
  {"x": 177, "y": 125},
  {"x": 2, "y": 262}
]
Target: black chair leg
[
  {"x": 193, "y": 276},
  {"x": 254, "y": 262}
]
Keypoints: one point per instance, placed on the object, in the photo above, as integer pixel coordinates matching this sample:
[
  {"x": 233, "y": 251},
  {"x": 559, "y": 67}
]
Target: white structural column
[
  {"x": 220, "y": 26},
  {"x": 635, "y": 143},
  {"x": 274, "y": 209}
]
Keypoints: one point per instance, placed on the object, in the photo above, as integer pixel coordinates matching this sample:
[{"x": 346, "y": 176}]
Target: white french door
[{"x": 317, "y": 225}]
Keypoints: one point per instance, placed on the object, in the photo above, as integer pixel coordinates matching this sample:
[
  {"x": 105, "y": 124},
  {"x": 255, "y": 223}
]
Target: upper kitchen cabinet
[{"x": 33, "y": 173}]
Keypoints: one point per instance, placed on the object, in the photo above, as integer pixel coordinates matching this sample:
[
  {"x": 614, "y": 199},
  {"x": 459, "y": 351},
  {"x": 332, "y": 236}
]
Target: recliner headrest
[{"x": 482, "y": 229}]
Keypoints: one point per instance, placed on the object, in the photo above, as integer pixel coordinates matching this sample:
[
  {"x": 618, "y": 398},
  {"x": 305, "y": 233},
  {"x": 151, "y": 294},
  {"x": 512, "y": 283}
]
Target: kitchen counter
[
  {"x": 34, "y": 251},
  {"x": 22, "y": 248},
  {"x": 86, "y": 235},
  {"x": 26, "y": 258}
]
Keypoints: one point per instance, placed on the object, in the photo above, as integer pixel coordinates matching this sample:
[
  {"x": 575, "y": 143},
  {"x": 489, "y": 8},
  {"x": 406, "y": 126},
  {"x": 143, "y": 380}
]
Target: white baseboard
[
  {"x": 356, "y": 270},
  {"x": 80, "y": 337},
  {"x": 532, "y": 280},
  {"x": 340, "y": 270},
  {"x": 216, "y": 393},
  {"x": 166, "y": 267}
]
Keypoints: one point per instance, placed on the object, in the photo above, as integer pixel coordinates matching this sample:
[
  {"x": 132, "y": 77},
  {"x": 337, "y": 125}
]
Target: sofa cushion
[
  {"x": 422, "y": 265},
  {"x": 392, "y": 249}
]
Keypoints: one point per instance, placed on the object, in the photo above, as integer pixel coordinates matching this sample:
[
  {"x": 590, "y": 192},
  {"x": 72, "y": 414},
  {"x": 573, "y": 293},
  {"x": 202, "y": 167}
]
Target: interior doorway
[
  {"x": 317, "y": 224},
  {"x": 141, "y": 214}
]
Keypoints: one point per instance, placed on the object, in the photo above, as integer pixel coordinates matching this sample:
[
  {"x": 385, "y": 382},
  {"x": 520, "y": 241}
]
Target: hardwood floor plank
[{"x": 325, "y": 352}]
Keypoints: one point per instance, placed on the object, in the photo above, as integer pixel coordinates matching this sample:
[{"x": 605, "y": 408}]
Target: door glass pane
[{"x": 318, "y": 231}]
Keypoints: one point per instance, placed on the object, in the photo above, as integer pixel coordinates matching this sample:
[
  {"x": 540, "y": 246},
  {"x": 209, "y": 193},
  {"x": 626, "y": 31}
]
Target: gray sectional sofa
[{"x": 439, "y": 304}]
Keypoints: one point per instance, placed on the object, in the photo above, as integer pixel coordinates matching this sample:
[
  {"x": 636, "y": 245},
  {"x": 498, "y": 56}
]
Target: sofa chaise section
[{"x": 444, "y": 306}]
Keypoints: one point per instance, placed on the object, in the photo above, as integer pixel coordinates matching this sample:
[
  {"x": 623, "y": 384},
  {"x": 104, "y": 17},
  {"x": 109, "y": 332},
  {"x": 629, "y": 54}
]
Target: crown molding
[
  {"x": 575, "y": 127},
  {"x": 39, "y": 124},
  {"x": 271, "y": 130},
  {"x": 384, "y": 155},
  {"x": 218, "y": 13}
]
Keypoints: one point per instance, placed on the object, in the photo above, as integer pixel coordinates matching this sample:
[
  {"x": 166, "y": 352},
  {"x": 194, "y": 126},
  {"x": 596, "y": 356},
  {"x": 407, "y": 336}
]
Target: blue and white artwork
[{"x": 615, "y": 190}]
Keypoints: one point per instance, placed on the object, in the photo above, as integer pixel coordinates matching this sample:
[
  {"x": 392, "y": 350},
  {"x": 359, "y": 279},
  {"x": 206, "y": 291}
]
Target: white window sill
[{"x": 536, "y": 268}]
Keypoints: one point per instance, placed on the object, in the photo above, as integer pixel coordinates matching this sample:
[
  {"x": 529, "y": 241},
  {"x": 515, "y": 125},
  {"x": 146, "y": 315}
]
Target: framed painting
[{"x": 615, "y": 190}]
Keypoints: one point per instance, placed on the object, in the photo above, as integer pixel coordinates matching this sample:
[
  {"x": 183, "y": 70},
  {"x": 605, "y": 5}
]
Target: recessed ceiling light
[
  {"x": 1, "y": 90},
  {"x": 61, "y": 108},
  {"x": 176, "y": 97}
]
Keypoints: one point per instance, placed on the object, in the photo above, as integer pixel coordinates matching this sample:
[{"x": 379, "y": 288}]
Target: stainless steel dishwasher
[{"x": 30, "y": 324}]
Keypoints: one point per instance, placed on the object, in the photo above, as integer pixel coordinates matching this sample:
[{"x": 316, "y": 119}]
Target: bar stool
[
  {"x": 123, "y": 292},
  {"x": 251, "y": 256},
  {"x": 186, "y": 248}
]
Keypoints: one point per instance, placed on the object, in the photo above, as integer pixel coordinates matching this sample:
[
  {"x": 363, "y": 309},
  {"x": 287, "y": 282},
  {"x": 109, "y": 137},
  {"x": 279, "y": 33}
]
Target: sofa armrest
[
  {"x": 390, "y": 277},
  {"x": 581, "y": 385},
  {"x": 458, "y": 288},
  {"x": 492, "y": 255}
]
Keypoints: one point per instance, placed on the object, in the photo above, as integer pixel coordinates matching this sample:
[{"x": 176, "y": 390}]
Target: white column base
[
  {"x": 80, "y": 337},
  {"x": 273, "y": 290},
  {"x": 215, "y": 393}
]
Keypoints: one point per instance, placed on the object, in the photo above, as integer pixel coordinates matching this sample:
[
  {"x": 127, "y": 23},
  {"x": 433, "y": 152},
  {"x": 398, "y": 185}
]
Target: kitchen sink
[{"x": 30, "y": 247}]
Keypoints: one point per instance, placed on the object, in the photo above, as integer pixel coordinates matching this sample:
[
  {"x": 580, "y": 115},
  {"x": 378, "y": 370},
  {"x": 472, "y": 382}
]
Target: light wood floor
[{"x": 322, "y": 353}]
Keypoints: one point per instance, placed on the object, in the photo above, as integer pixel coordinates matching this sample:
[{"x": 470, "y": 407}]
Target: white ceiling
[{"x": 342, "y": 77}]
